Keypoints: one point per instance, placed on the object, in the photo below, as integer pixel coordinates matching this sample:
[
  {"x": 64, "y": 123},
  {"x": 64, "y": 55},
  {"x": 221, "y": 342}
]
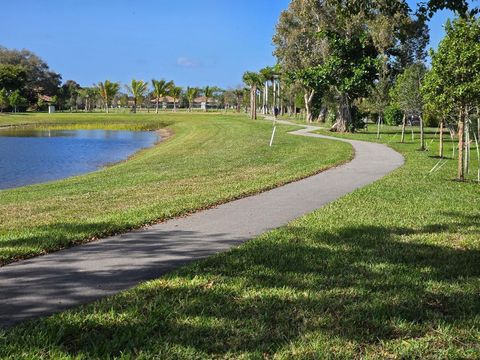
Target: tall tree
[
  {"x": 12, "y": 77},
  {"x": 138, "y": 90},
  {"x": 160, "y": 90},
  {"x": 253, "y": 80},
  {"x": 3, "y": 99},
  {"x": 298, "y": 47},
  {"x": 456, "y": 71},
  {"x": 67, "y": 94},
  {"x": 39, "y": 78},
  {"x": 175, "y": 92},
  {"x": 16, "y": 99},
  {"x": 268, "y": 75},
  {"x": 208, "y": 93},
  {"x": 407, "y": 94},
  {"x": 107, "y": 91},
  {"x": 192, "y": 93}
]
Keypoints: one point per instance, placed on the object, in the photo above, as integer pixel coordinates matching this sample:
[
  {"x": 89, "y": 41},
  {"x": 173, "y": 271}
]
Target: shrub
[{"x": 393, "y": 115}]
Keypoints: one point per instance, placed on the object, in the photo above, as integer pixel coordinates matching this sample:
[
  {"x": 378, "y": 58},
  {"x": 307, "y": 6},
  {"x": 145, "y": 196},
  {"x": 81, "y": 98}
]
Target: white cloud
[{"x": 186, "y": 62}]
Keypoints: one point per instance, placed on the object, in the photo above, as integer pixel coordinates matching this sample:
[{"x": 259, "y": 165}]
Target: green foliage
[
  {"x": 12, "y": 77},
  {"x": 407, "y": 91},
  {"x": 16, "y": 100},
  {"x": 161, "y": 88},
  {"x": 454, "y": 80},
  {"x": 393, "y": 115},
  {"x": 138, "y": 89},
  {"x": 252, "y": 79},
  {"x": 192, "y": 93},
  {"x": 431, "y": 119},
  {"x": 67, "y": 94},
  {"x": 37, "y": 73},
  {"x": 461, "y": 7},
  {"x": 3, "y": 99},
  {"x": 107, "y": 91}
]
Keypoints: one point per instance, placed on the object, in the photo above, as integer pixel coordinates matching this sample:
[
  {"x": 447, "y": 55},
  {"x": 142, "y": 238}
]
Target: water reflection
[{"x": 29, "y": 155}]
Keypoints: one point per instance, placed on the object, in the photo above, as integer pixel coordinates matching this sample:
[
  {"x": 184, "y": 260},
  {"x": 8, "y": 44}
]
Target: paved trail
[{"x": 51, "y": 283}]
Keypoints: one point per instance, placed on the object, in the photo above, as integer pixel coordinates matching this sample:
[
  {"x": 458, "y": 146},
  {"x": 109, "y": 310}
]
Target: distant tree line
[{"x": 27, "y": 83}]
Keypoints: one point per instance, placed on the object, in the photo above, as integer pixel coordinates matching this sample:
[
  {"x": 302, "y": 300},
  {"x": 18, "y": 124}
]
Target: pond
[{"x": 31, "y": 156}]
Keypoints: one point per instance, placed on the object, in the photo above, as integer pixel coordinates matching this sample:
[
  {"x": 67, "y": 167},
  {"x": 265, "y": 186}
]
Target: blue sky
[{"x": 195, "y": 43}]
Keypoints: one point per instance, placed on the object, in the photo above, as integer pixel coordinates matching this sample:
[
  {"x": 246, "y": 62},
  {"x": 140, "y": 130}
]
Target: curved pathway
[{"x": 54, "y": 282}]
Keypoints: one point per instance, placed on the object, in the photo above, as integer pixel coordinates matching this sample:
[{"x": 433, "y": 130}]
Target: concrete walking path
[{"x": 51, "y": 283}]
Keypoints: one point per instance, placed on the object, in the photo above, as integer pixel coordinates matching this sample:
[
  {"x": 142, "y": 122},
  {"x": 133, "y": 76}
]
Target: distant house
[
  {"x": 46, "y": 98},
  {"x": 202, "y": 102},
  {"x": 165, "y": 102},
  {"x": 49, "y": 101}
]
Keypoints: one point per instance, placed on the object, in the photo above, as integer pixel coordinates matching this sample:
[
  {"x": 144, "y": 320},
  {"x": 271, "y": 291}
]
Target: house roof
[
  {"x": 201, "y": 99},
  {"x": 45, "y": 98},
  {"x": 167, "y": 99}
]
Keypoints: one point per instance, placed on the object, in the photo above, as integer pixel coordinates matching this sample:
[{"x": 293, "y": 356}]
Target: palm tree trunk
[
  {"x": 255, "y": 103},
  {"x": 251, "y": 103},
  {"x": 156, "y": 106},
  {"x": 404, "y": 124}
]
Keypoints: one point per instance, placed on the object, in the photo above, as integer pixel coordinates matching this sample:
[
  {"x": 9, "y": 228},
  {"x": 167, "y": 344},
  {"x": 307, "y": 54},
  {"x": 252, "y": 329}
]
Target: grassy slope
[
  {"x": 211, "y": 159},
  {"x": 389, "y": 271}
]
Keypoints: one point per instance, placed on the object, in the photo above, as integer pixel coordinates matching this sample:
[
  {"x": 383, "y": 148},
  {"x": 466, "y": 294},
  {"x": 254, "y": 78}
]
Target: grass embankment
[
  {"x": 211, "y": 158},
  {"x": 389, "y": 271}
]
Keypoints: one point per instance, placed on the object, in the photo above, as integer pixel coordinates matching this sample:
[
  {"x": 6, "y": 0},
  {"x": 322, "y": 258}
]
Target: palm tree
[
  {"x": 208, "y": 93},
  {"x": 138, "y": 89},
  {"x": 192, "y": 93},
  {"x": 268, "y": 75},
  {"x": 238, "y": 98},
  {"x": 175, "y": 92},
  {"x": 160, "y": 90},
  {"x": 108, "y": 90},
  {"x": 253, "y": 80}
]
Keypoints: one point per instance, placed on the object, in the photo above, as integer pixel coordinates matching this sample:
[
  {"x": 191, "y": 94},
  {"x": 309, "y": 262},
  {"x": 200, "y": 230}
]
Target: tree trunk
[
  {"x": 106, "y": 107},
  {"x": 134, "y": 109},
  {"x": 404, "y": 124},
  {"x": 251, "y": 102},
  {"x": 344, "y": 116},
  {"x": 466, "y": 166},
  {"x": 266, "y": 97},
  {"x": 461, "y": 127},
  {"x": 422, "y": 134},
  {"x": 254, "y": 107},
  {"x": 264, "y": 105},
  {"x": 156, "y": 106},
  {"x": 440, "y": 154},
  {"x": 308, "y": 96},
  {"x": 379, "y": 121}
]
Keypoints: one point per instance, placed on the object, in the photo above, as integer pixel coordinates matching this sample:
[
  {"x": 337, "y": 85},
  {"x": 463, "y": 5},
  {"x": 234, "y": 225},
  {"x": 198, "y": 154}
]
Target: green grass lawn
[
  {"x": 390, "y": 271},
  {"x": 212, "y": 158}
]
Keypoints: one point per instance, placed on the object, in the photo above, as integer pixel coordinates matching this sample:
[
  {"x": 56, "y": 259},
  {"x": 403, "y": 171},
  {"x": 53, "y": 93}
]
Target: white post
[{"x": 273, "y": 134}]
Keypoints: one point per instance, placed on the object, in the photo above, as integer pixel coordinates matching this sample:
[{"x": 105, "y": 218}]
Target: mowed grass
[
  {"x": 211, "y": 158},
  {"x": 390, "y": 271}
]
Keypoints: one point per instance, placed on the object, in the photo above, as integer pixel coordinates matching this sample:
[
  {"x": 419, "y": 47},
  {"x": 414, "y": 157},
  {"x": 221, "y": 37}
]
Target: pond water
[{"x": 30, "y": 156}]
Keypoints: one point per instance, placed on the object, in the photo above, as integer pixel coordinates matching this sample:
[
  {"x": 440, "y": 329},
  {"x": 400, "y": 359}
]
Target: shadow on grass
[{"x": 361, "y": 284}]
